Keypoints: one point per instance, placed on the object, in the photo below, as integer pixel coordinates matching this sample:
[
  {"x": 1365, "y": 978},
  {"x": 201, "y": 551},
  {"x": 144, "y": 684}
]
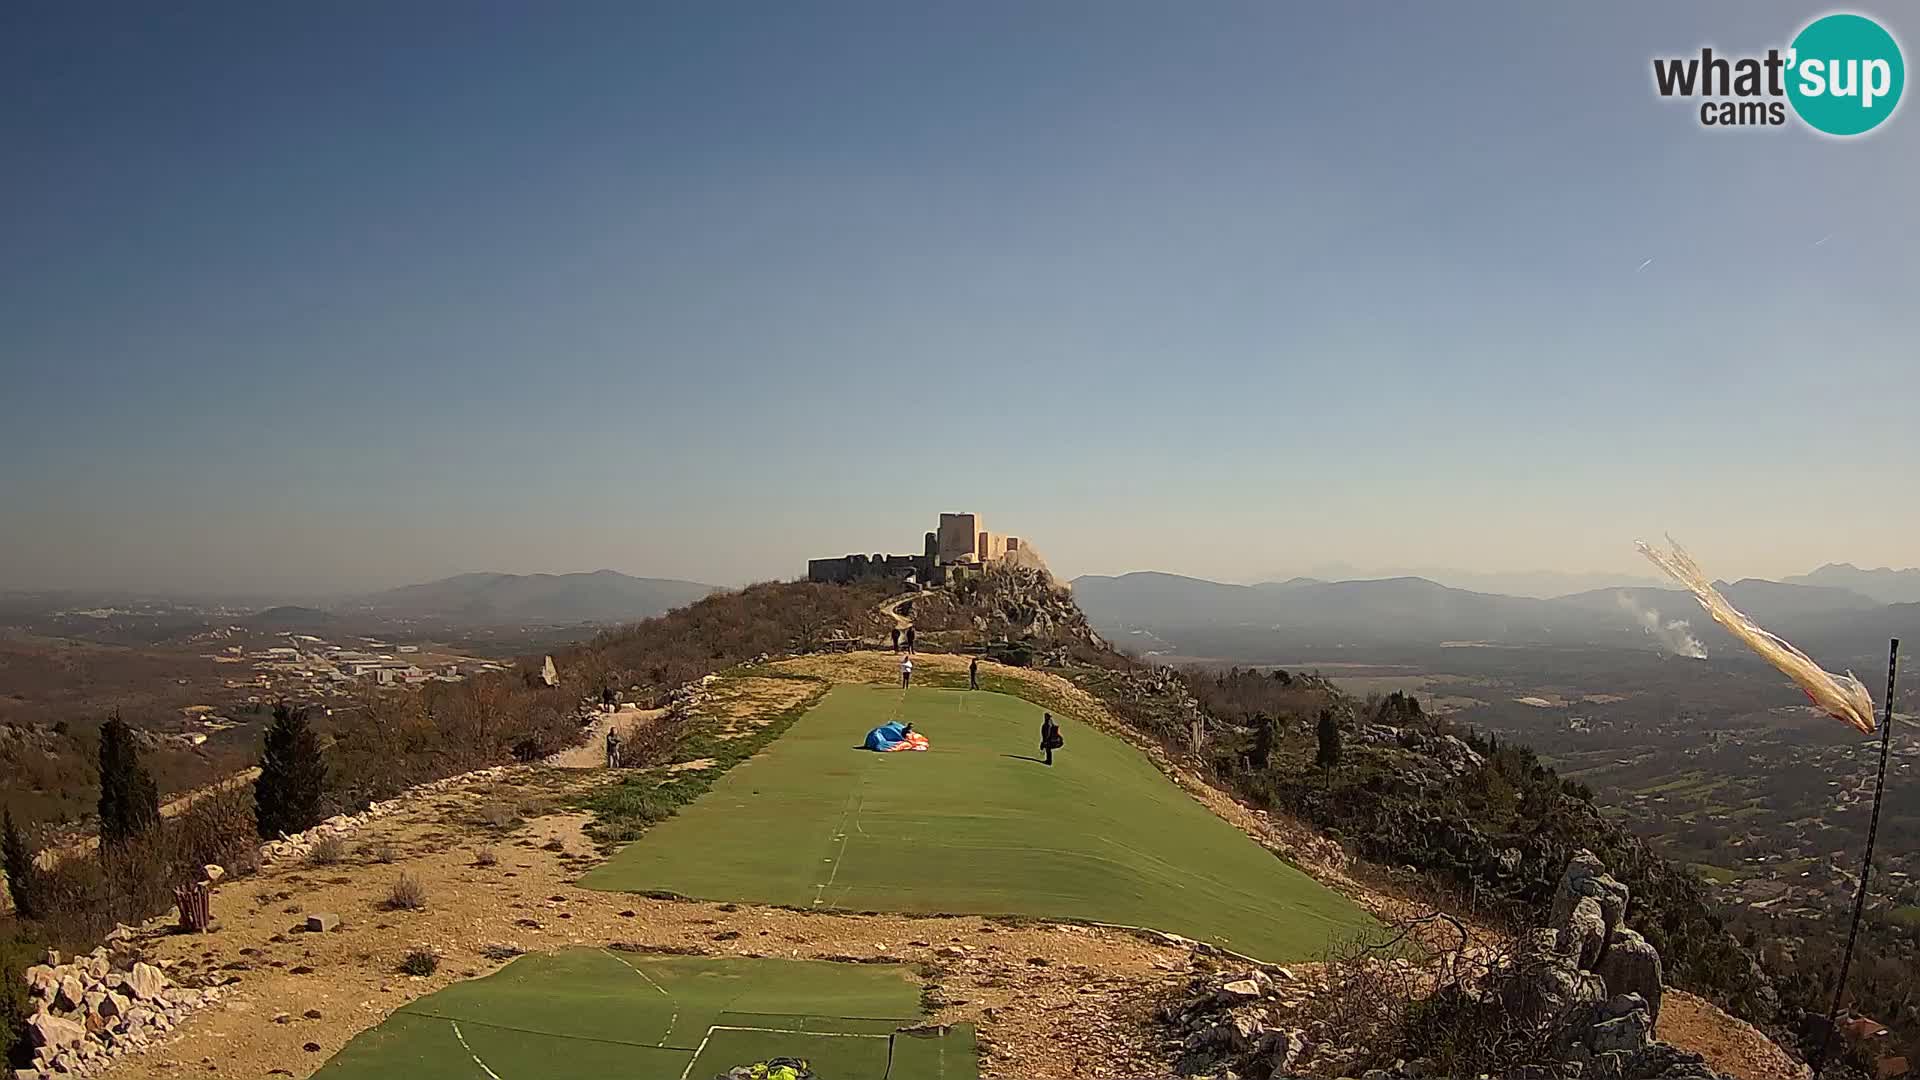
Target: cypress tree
[
  {"x": 129, "y": 799},
  {"x": 1329, "y": 732},
  {"x": 289, "y": 796},
  {"x": 17, "y": 858}
]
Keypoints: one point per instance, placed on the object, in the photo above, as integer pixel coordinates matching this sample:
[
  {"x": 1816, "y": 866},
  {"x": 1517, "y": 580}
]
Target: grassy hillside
[{"x": 977, "y": 825}]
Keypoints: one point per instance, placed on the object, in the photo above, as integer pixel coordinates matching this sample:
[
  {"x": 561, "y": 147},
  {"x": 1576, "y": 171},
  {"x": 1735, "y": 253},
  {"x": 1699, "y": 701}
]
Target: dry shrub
[
  {"x": 218, "y": 829},
  {"x": 378, "y": 851},
  {"x": 485, "y": 857},
  {"x": 407, "y": 894},
  {"x": 500, "y": 953},
  {"x": 500, "y": 816},
  {"x": 327, "y": 850},
  {"x": 649, "y": 744},
  {"x": 420, "y": 960},
  {"x": 1421, "y": 990}
]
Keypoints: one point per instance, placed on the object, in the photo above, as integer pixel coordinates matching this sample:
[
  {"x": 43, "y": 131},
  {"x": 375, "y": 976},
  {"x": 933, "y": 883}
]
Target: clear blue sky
[{"x": 341, "y": 295}]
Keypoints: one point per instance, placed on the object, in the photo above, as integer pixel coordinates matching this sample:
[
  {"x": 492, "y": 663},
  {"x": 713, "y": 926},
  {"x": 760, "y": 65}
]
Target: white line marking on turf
[
  {"x": 663, "y": 992},
  {"x": 470, "y": 1053},
  {"x": 688, "y": 1071},
  {"x": 808, "y": 1034},
  {"x": 840, "y": 834}
]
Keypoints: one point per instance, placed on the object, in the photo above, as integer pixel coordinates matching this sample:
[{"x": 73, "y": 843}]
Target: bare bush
[
  {"x": 327, "y": 851},
  {"x": 218, "y": 829},
  {"x": 648, "y": 744},
  {"x": 1423, "y": 989},
  {"x": 485, "y": 857},
  {"x": 378, "y": 851},
  {"x": 500, "y": 953},
  {"x": 407, "y": 894}
]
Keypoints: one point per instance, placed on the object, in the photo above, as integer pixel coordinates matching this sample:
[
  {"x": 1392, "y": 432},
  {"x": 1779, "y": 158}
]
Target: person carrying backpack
[{"x": 1050, "y": 739}]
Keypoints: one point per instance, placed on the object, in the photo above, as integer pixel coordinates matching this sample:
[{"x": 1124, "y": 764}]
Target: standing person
[
  {"x": 613, "y": 748},
  {"x": 1050, "y": 736},
  {"x": 909, "y": 639},
  {"x": 609, "y": 700},
  {"x": 906, "y": 670},
  {"x": 973, "y": 674},
  {"x": 896, "y": 639}
]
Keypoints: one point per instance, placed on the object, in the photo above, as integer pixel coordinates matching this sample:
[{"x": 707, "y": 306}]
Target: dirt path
[
  {"x": 592, "y": 754},
  {"x": 891, "y": 609}
]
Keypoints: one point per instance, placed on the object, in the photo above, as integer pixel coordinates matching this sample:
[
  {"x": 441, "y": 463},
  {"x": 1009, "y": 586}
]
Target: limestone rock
[
  {"x": 42, "y": 981},
  {"x": 144, "y": 982},
  {"x": 71, "y": 994},
  {"x": 323, "y": 922},
  {"x": 50, "y": 1031},
  {"x": 1587, "y": 877},
  {"x": 1631, "y": 965},
  {"x": 1622, "y": 1034},
  {"x": 1241, "y": 990},
  {"x": 1584, "y": 933}
]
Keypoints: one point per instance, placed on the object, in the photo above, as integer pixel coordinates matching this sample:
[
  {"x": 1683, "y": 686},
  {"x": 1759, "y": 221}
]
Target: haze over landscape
[
  {"x": 951, "y": 542},
  {"x": 331, "y": 299}
]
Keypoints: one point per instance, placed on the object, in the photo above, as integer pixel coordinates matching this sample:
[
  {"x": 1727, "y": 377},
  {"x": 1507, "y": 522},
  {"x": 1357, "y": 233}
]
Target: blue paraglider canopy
[{"x": 883, "y": 737}]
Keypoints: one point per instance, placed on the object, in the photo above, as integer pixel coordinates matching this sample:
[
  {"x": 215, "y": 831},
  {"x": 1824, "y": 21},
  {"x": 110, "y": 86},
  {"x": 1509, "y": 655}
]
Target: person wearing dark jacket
[
  {"x": 1050, "y": 736},
  {"x": 973, "y": 674}
]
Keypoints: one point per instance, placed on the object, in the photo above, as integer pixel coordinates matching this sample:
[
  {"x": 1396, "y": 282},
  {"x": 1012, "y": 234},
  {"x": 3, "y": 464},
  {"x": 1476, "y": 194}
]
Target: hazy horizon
[{"x": 313, "y": 300}]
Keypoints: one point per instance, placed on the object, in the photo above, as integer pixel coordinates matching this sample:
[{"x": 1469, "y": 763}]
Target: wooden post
[{"x": 196, "y": 906}]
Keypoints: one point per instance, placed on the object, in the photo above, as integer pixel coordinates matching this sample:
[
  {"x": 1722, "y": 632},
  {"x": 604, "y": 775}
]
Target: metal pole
[{"x": 1866, "y": 869}]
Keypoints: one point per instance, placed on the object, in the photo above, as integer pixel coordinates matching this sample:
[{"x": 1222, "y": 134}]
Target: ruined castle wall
[{"x": 959, "y": 538}]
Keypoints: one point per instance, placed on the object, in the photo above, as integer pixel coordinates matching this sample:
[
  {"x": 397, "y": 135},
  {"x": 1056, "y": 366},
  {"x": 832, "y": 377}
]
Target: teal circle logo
[{"x": 1845, "y": 74}]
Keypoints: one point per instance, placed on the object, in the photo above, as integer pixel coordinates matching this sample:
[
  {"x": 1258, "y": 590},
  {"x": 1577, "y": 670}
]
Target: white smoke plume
[{"x": 1676, "y": 637}]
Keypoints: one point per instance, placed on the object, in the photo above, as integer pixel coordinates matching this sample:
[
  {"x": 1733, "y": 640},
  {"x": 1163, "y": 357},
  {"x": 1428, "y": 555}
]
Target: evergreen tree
[
  {"x": 17, "y": 858},
  {"x": 129, "y": 799},
  {"x": 1262, "y": 754},
  {"x": 291, "y": 790},
  {"x": 1329, "y": 731}
]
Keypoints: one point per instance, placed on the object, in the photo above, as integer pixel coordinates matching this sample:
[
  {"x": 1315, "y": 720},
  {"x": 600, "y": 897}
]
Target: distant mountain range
[
  {"x": 603, "y": 596},
  {"x": 1885, "y": 585},
  {"x": 1536, "y": 584},
  {"x": 1182, "y": 614}
]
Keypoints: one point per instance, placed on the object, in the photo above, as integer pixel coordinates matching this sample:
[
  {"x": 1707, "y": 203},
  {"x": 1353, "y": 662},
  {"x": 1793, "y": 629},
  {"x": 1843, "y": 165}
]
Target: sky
[{"x": 333, "y": 297}]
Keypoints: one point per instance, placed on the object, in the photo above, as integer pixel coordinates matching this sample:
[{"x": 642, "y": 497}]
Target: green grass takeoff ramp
[
  {"x": 588, "y": 1014},
  {"x": 977, "y": 825}
]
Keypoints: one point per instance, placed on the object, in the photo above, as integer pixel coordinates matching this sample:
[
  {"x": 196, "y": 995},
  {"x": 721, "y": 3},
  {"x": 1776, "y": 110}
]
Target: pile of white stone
[
  {"x": 85, "y": 1015},
  {"x": 341, "y": 825}
]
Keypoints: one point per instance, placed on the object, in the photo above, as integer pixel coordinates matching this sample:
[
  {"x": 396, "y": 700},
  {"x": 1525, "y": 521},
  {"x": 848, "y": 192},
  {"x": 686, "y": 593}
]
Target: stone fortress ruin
[{"x": 959, "y": 546}]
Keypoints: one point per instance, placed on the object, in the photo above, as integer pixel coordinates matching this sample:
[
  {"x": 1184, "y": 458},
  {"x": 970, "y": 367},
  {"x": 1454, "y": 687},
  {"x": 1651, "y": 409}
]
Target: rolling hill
[
  {"x": 1390, "y": 609},
  {"x": 604, "y": 596}
]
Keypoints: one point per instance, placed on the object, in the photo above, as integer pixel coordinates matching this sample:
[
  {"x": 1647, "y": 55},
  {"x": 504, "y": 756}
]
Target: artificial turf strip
[
  {"x": 586, "y": 1014},
  {"x": 977, "y": 825}
]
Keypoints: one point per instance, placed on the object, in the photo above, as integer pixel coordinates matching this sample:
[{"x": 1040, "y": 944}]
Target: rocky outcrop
[
  {"x": 1236, "y": 1024},
  {"x": 1576, "y": 1000},
  {"x": 87, "y": 1014}
]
